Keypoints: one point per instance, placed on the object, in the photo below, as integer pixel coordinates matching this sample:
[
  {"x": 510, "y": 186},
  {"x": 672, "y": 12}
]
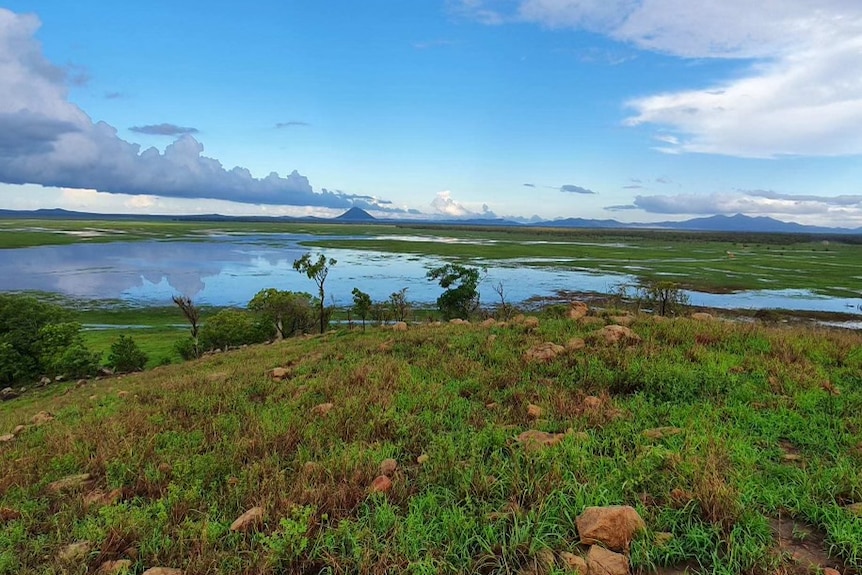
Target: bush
[
  {"x": 76, "y": 361},
  {"x": 126, "y": 356},
  {"x": 233, "y": 328},
  {"x": 186, "y": 348},
  {"x": 62, "y": 351},
  {"x": 461, "y": 284},
  {"x": 290, "y": 312}
]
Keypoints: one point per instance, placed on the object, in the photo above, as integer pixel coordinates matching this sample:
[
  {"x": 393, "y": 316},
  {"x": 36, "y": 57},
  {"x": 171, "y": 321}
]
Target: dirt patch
[{"x": 804, "y": 545}]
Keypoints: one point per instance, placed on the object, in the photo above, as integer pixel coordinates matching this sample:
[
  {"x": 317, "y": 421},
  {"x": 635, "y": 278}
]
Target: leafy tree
[
  {"x": 399, "y": 305},
  {"x": 461, "y": 295},
  {"x": 193, "y": 316},
  {"x": 290, "y": 312},
  {"x": 663, "y": 297},
  {"x": 125, "y": 355},
  {"x": 62, "y": 351},
  {"x": 317, "y": 271},
  {"x": 233, "y": 328},
  {"x": 361, "y": 305}
]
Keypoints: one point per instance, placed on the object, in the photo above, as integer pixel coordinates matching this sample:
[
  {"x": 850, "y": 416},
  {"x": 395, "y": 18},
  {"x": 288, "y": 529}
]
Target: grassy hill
[{"x": 739, "y": 445}]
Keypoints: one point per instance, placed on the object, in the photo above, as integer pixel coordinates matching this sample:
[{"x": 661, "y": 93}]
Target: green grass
[{"x": 194, "y": 445}]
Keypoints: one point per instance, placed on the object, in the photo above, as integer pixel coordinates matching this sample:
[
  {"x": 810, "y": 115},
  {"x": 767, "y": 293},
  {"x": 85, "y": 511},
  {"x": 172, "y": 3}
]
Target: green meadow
[{"x": 740, "y": 445}]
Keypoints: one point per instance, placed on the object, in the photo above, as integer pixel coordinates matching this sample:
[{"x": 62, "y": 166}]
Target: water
[{"x": 227, "y": 270}]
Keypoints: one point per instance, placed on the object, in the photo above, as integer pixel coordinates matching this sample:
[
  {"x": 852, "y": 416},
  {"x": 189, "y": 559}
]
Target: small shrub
[
  {"x": 186, "y": 348},
  {"x": 126, "y": 356}
]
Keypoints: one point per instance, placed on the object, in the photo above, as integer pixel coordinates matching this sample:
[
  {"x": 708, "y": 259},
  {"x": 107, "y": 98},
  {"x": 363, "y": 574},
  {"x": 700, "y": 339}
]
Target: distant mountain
[{"x": 356, "y": 215}]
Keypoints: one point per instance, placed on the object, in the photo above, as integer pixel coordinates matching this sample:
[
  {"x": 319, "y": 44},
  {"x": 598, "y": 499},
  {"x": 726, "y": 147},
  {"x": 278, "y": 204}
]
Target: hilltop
[{"x": 450, "y": 449}]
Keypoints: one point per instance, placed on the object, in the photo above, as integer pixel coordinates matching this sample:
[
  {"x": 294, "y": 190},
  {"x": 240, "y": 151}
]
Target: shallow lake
[{"x": 227, "y": 270}]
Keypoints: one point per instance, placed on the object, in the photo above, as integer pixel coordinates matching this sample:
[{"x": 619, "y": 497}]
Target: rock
[
  {"x": 488, "y": 322},
  {"x": 59, "y": 378},
  {"x": 530, "y": 323},
  {"x": 830, "y": 571},
  {"x": 578, "y": 310},
  {"x": 94, "y": 397},
  {"x": 855, "y": 509},
  {"x": 44, "y": 381},
  {"x": 388, "y": 467},
  {"x": 80, "y": 383},
  {"x": 279, "y": 373},
  {"x": 661, "y": 432},
  {"x": 322, "y": 409},
  {"x": 122, "y": 394},
  {"x": 613, "y": 526},
  {"x": 118, "y": 567},
  {"x": 604, "y": 562},
  {"x": 574, "y": 563},
  {"x": 534, "y": 440},
  {"x": 8, "y": 393},
  {"x": 575, "y": 344},
  {"x": 42, "y": 417},
  {"x": 702, "y": 316},
  {"x": 534, "y": 411},
  {"x": 400, "y": 326},
  {"x": 75, "y": 552},
  {"x": 69, "y": 482},
  {"x": 9, "y": 514},
  {"x": 614, "y": 334},
  {"x": 458, "y": 321},
  {"x": 162, "y": 571},
  {"x": 7, "y": 437},
  {"x": 422, "y": 459},
  {"x": 381, "y": 484},
  {"x": 544, "y": 352},
  {"x": 19, "y": 429},
  {"x": 248, "y": 520},
  {"x": 98, "y": 498}
]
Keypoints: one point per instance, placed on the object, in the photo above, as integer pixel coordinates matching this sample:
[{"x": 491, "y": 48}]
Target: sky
[{"x": 637, "y": 110}]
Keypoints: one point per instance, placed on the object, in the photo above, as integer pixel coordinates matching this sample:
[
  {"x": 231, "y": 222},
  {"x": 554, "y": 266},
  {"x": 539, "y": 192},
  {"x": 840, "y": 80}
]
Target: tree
[
  {"x": 290, "y": 312},
  {"x": 461, "y": 295},
  {"x": 505, "y": 309},
  {"x": 317, "y": 271},
  {"x": 233, "y": 328},
  {"x": 399, "y": 305},
  {"x": 664, "y": 297},
  {"x": 193, "y": 316},
  {"x": 361, "y": 305},
  {"x": 126, "y": 356}
]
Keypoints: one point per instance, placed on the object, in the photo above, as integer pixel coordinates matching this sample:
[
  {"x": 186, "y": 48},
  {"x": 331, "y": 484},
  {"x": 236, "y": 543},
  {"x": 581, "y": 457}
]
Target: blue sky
[{"x": 640, "y": 110}]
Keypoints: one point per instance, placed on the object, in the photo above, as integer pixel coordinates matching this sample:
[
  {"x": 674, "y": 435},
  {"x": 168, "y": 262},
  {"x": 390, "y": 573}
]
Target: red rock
[
  {"x": 574, "y": 563},
  {"x": 613, "y": 526},
  {"x": 575, "y": 344},
  {"x": 119, "y": 567},
  {"x": 614, "y": 334},
  {"x": 381, "y": 484},
  {"x": 279, "y": 373},
  {"x": 604, "y": 562},
  {"x": 544, "y": 352},
  {"x": 534, "y": 411}
]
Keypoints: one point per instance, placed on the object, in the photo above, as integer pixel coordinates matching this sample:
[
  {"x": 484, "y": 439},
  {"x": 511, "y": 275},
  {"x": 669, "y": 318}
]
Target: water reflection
[{"x": 229, "y": 270}]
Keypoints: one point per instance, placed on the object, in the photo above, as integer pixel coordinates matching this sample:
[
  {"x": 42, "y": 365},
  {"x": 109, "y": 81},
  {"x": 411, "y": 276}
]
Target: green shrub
[
  {"x": 289, "y": 312},
  {"x": 231, "y": 328},
  {"x": 186, "y": 348},
  {"x": 126, "y": 356}
]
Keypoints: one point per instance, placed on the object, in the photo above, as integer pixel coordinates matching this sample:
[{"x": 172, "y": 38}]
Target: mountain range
[{"x": 719, "y": 223}]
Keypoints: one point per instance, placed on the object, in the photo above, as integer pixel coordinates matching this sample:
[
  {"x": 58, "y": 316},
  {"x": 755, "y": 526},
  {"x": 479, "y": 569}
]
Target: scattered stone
[
  {"x": 118, "y": 567},
  {"x": 381, "y": 484},
  {"x": 534, "y": 411},
  {"x": 42, "y": 417},
  {"x": 422, "y": 459},
  {"x": 661, "y": 432},
  {"x": 279, "y": 373},
  {"x": 162, "y": 571},
  {"x": 624, "y": 320},
  {"x": 7, "y": 437},
  {"x": 80, "y": 383},
  {"x": 544, "y": 352},
  {"x": 44, "y": 381},
  {"x": 9, "y": 514},
  {"x": 613, "y": 526},
  {"x": 400, "y": 326},
  {"x": 578, "y": 310},
  {"x": 98, "y": 498},
  {"x": 69, "y": 482},
  {"x": 248, "y": 520},
  {"x": 388, "y": 467},
  {"x": 534, "y": 440},
  {"x": 75, "y": 552},
  {"x": 322, "y": 409},
  {"x": 530, "y": 323},
  {"x": 488, "y": 322},
  {"x": 122, "y": 394},
  {"x": 575, "y": 344},
  {"x": 8, "y": 393},
  {"x": 574, "y": 563},
  {"x": 614, "y": 334},
  {"x": 855, "y": 509},
  {"x": 662, "y": 538},
  {"x": 702, "y": 316},
  {"x": 459, "y": 321},
  {"x": 604, "y": 562}
]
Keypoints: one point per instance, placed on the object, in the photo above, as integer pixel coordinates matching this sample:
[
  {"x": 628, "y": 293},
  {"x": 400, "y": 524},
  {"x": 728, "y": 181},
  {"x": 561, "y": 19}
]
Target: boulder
[
  {"x": 534, "y": 411},
  {"x": 577, "y": 310},
  {"x": 488, "y": 322},
  {"x": 388, "y": 467},
  {"x": 614, "y": 334},
  {"x": 42, "y": 417},
  {"x": 604, "y": 562},
  {"x": 248, "y": 520},
  {"x": 458, "y": 321},
  {"x": 279, "y": 373},
  {"x": 544, "y": 352},
  {"x": 575, "y": 344},
  {"x": 381, "y": 484},
  {"x": 574, "y": 563},
  {"x": 118, "y": 567},
  {"x": 69, "y": 482},
  {"x": 6, "y": 437},
  {"x": 44, "y": 381},
  {"x": 530, "y": 323},
  {"x": 8, "y": 393},
  {"x": 19, "y": 429},
  {"x": 613, "y": 526},
  {"x": 75, "y": 552}
]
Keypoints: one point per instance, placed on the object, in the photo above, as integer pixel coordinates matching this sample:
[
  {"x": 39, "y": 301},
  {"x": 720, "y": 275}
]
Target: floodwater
[{"x": 227, "y": 270}]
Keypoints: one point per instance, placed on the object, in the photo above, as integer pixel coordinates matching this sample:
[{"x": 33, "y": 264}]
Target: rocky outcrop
[{"x": 613, "y": 526}]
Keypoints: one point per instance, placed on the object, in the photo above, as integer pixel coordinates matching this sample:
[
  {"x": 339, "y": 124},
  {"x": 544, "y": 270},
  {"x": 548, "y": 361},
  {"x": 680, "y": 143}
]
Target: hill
[
  {"x": 731, "y": 442},
  {"x": 356, "y": 215}
]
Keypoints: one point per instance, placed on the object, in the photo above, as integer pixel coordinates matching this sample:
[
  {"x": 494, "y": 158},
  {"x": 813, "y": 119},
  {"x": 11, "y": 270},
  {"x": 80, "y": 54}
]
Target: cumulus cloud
[
  {"x": 45, "y": 139},
  {"x": 445, "y": 205},
  {"x": 163, "y": 130},
  {"x": 799, "y": 94},
  {"x": 572, "y": 189}
]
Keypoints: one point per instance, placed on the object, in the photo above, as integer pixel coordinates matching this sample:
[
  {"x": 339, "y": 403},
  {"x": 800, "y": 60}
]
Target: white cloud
[
  {"x": 445, "y": 205},
  {"x": 802, "y": 95}
]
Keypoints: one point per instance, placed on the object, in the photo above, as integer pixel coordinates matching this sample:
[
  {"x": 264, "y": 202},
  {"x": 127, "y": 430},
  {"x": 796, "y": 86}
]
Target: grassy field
[{"x": 763, "y": 459}]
